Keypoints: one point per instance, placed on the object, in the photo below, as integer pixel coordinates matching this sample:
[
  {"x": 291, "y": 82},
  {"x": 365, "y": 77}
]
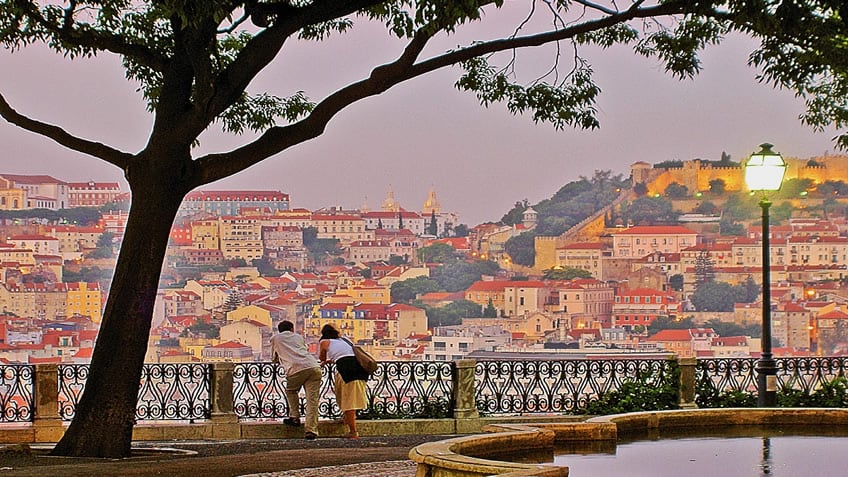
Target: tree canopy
[{"x": 194, "y": 62}]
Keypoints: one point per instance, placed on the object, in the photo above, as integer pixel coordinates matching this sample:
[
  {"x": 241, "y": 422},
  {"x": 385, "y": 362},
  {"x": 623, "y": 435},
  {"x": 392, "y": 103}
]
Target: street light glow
[{"x": 765, "y": 169}]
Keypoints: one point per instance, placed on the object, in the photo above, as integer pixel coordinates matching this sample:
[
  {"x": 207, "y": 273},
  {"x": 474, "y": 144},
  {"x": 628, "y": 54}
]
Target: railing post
[
  {"x": 46, "y": 422},
  {"x": 465, "y": 392},
  {"x": 686, "y": 393},
  {"x": 225, "y": 423}
]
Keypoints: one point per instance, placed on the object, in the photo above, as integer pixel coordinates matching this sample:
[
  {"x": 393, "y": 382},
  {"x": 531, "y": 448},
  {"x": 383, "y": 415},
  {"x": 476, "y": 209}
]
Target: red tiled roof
[
  {"x": 657, "y": 230},
  {"x": 583, "y": 246},
  {"x": 231, "y": 345}
]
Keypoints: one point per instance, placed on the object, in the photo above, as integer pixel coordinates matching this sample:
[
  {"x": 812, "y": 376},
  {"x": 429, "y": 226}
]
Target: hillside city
[{"x": 671, "y": 264}]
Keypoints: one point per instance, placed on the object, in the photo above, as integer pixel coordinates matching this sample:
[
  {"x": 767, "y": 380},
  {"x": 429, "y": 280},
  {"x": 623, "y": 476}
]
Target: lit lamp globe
[{"x": 765, "y": 169}]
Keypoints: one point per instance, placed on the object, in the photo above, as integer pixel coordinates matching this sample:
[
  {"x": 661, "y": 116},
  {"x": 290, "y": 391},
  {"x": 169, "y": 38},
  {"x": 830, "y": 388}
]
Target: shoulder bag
[{"x": 368, "y": 363}]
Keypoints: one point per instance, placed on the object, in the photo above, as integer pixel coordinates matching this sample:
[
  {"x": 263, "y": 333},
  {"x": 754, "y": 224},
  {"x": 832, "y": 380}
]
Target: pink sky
[{"x": 424, "y": 133}]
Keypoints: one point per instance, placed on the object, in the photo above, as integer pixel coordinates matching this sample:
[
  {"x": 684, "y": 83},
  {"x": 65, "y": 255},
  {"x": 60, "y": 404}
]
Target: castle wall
[
  {"x": 697, "y": 176},
  {"x": 545, "y": 252}
]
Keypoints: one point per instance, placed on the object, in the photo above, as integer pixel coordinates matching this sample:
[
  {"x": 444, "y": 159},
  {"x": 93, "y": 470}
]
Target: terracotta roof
[
  {"x": 231, "y": 345},
  {"x": 834, "y": 315},
  {"x": 657, "y": 230},
  {"x": 582, "y": 246}
]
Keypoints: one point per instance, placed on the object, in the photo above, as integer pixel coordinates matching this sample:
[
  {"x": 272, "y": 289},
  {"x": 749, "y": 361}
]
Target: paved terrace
[{"x": 383, "y": 456}]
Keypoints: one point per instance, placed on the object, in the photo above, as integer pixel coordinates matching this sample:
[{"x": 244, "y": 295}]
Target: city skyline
[{"x": 424, "y": 134}]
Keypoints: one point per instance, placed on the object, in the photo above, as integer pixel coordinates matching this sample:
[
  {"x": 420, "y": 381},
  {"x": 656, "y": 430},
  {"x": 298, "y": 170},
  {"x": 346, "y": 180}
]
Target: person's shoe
[
  {"x": 310, "y": 436},
  {"x": 293, "y": 422}
]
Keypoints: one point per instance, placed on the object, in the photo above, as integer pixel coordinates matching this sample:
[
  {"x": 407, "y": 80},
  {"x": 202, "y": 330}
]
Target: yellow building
[
  {"x": 367, "y": 293},
  {"x": 36, "y": 300},
  {"x": 241, "y": 238},
  {"x": 194, "y": 346},
  {"x": 255, "y": 313},
  {"x": 10, "y": 197},
  {"x": 346, "y": 228},
  {"x": 251, "y": 333},
  {"x": 85, "y": 299},
  {"x": 205, "y": 234},
  {"x": 583, "y": 256}
]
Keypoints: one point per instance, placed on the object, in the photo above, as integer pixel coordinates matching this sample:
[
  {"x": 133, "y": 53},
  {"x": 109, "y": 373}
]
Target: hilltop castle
[{"x": 697, "y": 174}]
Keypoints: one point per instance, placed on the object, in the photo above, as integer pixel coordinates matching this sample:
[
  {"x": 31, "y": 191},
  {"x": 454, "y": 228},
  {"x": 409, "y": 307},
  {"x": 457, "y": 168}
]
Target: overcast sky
[{"x": 424, "y": 133}]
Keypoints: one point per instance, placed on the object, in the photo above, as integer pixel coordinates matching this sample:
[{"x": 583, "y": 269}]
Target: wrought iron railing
[
  {"x": 168, "y": 391},
  {"x": 16, "y": 393},
  {"x": 527, "y": 387},
  {"x": 396, "y": 389},
  {"x": 723, "y": 375},
  {"x": 401, "y": 389}
]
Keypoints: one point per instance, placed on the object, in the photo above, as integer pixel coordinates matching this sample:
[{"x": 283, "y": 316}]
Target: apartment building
[
  {"x": 231, "y": 202},
  {"x": 582, "y": 256},
  {"x": 641, "y": 306},
  {"x": 639, "y": 241},
  {"x": 346, "y": 228},
  {"x": 93, "y": 194},
  {"x": 241, "y": 238},
  {"x": 40, "y": 191}
]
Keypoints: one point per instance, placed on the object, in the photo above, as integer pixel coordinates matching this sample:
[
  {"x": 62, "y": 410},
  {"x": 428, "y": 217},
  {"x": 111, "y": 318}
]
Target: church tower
[
  {"x": 389, "y": 203},
  {"x": 432, "y": 204}
]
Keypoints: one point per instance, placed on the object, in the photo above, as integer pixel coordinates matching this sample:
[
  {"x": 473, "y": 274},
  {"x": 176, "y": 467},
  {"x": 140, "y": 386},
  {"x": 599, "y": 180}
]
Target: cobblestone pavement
[{"x": 398, "y": 468}]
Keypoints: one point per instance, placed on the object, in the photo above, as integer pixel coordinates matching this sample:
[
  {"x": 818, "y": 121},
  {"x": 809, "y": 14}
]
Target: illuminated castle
[{"x": 696, "y": 174}]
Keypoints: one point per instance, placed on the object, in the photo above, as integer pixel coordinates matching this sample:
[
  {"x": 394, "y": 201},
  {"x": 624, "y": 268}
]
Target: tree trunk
[{"x": 105, "y": 414}]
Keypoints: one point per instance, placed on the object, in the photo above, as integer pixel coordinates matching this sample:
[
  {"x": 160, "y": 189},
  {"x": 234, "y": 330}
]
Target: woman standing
[{"x": 349, "y": 380}]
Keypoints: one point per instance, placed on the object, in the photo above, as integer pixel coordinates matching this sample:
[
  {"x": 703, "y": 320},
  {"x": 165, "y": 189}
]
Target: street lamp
[{"x": 764, "y": 172}]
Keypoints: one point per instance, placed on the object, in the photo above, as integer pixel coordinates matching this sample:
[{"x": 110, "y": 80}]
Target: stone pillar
[
  {"x": 225, "y": 423},
  {"x": 687, "y": 382},
  {"x": 465, "y": 402},
  {"x": 46, "y": 423}
]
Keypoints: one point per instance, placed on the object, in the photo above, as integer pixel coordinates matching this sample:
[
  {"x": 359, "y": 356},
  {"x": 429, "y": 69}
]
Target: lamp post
[{"x": 764, "y": 172}]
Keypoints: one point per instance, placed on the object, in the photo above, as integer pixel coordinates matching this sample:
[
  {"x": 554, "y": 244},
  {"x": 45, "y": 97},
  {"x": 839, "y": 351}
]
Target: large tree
[{"x": 194, "y": 60}]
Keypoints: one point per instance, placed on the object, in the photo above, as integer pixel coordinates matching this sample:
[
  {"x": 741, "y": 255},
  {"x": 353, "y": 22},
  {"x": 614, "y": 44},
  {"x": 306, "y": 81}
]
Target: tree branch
[
  {"x": 217, "y": 166},
  {"x": 262, "y": 48},
  {"x": 213, "y": 167},
  {"x": 91, "y": 38},
  {"x": 95, "y": 149}
]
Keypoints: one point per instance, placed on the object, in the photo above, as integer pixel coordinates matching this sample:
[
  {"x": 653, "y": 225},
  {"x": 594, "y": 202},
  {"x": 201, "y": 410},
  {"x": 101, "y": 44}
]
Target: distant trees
[
  {"x": 320, "y": 249},
  {"x": 459, "y": 275},
  {"x": 794, "y": 188},
  {"x": 722, "y": 296},
  {"x": 406, "y": 291},
  {"x": 437, "y": 253},
  {"x": 706, "y": 208},
  {"x": 568, "y": 206},
  {"x": 676, "y": 282},
  {"x": 672, "y": 164},
  {"x": 676, "y": 191},
  {"x": 522, "y": 249},
  {"x": 725, "y": 328},
  {"x": 666, "y": 323},
  {"x": 565, "y": 273},
  {"x": 718, "y": 186},
  {"x": 490, "y": 311},
  {"x": 650, "y": 211},
  {"x": 71, "y": 216},
  {"x": 514, "y": 215},
  {"x": 433, "y": 226},
  {"x": 105, "y": 247},
  {"x": 450, "y": 314}
]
